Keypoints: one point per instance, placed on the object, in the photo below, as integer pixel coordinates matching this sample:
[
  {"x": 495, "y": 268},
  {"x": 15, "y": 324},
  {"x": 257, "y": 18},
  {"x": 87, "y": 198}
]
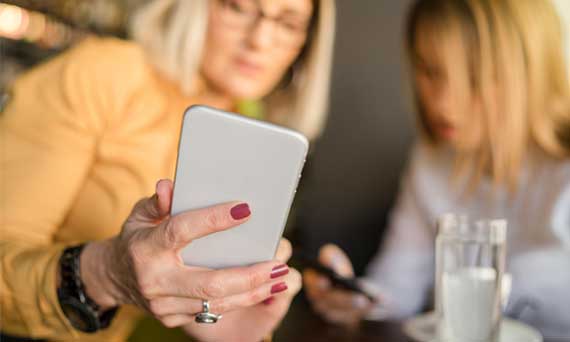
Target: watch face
[{"x": 77, "y": 314}]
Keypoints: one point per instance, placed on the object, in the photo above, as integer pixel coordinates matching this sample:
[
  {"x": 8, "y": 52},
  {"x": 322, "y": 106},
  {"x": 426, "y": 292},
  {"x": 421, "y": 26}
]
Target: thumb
[
  {"x": 332, "y": 256},
  {"x": 164, "y": 189},
  {"x": 156, "y": 207}
]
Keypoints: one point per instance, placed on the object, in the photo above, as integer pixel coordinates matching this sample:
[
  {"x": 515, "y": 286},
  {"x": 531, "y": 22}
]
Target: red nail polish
[
  {"x": 269, "y": 300},
  {"x": 240, "y": 211},
  {"x": 278, "y": 288},
  {"x": 279, "y": 271}
]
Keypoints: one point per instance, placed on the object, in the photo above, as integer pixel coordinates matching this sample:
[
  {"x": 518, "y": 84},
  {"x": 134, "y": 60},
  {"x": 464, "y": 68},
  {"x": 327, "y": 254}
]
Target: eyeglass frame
[{"x": 259, "y": 15}]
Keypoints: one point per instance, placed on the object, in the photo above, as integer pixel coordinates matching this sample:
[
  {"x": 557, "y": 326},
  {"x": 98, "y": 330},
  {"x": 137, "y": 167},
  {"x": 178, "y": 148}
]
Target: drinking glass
[{"x": 470, "y": 264}]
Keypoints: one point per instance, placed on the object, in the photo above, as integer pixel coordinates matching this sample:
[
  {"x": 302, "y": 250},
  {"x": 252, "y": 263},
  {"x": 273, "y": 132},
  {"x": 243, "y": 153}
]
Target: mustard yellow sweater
[{"x": 83, "y": 137}]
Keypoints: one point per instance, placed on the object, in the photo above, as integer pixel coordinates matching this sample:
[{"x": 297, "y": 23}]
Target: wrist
[{"x": 95, "y": 274}]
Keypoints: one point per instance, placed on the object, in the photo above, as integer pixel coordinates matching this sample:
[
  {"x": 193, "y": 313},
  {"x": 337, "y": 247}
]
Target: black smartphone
[{"x": 336, "y": 280}]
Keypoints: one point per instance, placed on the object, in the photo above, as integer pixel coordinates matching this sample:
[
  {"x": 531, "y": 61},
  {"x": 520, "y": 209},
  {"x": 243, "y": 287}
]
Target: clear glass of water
[{"x": 470, "y": 264}]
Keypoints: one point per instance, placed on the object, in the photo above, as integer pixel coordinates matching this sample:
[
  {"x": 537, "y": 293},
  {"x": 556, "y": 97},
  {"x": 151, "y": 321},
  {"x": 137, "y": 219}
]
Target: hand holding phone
[
  {"x": 332, "y": 289},
  {"x": 337, "y": 280}
]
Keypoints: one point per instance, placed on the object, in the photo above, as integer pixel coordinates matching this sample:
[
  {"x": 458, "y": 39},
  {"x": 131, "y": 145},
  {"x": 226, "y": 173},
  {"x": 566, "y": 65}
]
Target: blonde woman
[
  {"x": 494, "y": 112},
  {"x": 87, "y": 134}
]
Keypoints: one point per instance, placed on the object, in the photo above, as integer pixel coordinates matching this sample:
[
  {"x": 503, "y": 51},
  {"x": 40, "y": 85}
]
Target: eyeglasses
[{"x": 246, "y": 14}]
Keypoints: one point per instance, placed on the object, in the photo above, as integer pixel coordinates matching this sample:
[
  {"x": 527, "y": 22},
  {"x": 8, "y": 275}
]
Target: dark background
[{"x": 350, "y": 181}]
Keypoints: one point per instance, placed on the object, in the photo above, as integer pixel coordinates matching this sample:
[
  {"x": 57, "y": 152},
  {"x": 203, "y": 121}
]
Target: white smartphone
[{"x": 225, "y": 157}]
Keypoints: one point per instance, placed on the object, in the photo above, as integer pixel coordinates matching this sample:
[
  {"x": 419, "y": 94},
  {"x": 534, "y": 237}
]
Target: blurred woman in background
[
  {"x": 493, "y": 101},
  {"x": 89, "y": 133}
]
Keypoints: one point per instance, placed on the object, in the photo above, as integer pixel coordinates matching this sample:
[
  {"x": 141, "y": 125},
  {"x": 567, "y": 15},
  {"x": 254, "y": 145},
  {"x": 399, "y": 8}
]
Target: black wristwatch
[{"x": 82, "y": 312}]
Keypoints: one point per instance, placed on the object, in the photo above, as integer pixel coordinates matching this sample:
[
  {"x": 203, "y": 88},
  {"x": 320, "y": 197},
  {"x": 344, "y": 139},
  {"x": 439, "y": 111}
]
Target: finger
[
  {"x": 332, "y": 256},
  {"x": 182, "y": 305},
  {"x": 336, "y": 315},
  {"x": 164, "y": 188},
  {"x": 181, "y": 229},
  {"x": 284, "y": 250},
  {"x": 211, "y": 284},
  {"x": 294, "y": 283},
  {"x": 250, "y": 298},
  {"x": 173, "y": 321},
  {"x": 168, "y": 306},
  {"x": 315, "y": 284},
  {"x": 346, "y": 300},
  {"x": 341, "y": 317},
  {"x": 281, "y": 290},
  {"x": 164, "y": 306},
  {"x": 156, "y": 207}
]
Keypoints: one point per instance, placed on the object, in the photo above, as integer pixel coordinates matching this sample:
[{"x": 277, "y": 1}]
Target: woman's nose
[
  {"x": 442, "y": 100},
  {"x": 262, "y": 34}
]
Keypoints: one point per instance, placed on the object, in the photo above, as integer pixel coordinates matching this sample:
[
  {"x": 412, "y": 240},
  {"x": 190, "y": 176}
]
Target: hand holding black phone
[{"x": 336, "y": 280}]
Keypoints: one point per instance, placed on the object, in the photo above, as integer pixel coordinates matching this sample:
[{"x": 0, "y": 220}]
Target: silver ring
[{"x": 206, "y": 316}]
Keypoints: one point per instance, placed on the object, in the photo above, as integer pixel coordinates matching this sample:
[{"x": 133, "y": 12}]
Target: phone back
[{"x": 225, "y": 157}]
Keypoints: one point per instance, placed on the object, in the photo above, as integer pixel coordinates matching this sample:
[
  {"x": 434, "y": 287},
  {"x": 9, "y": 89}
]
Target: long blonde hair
[
  {"x": 515, "y": 66},
  {"x": 172, "y": 32}
]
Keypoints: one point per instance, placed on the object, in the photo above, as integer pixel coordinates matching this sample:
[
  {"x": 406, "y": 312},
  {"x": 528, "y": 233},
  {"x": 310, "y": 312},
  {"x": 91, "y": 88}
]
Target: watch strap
[{"x": 72, "y": 292}]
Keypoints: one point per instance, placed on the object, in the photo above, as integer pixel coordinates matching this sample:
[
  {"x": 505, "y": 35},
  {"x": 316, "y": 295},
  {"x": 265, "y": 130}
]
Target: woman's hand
[
  {"x": 255, "y": 322},
  {"x": 142, "y": 265},
  {"x": 333, "y": 304}
]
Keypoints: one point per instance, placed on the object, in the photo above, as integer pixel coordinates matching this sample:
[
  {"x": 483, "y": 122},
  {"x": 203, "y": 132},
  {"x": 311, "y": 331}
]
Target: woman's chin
[{"x": 245, "y": 88}]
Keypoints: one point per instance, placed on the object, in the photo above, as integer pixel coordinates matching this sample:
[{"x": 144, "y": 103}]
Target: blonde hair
[
  {"x": 172, "y": 32},
  {"x": 514, "y": 65}
]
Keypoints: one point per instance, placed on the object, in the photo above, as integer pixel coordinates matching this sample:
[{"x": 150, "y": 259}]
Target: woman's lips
[
  {"x": 248, "y": 68},
  {"x": 445, "y": 131}
]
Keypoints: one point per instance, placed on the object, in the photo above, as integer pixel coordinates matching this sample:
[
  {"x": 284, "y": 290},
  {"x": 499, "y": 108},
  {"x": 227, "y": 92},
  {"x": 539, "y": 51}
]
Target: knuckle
[
  {"x": 170, "y": 232},
  {"x": 139, "y": 206},
  {"x": 213, "y": 289},
  {"x": 254, "y": 279},
  {"x": 220, "y": 305},
  {"x": 146, "y": 289},
  {"x": 148, "y": 285},
  {"x": 134, "y": 251},
  {"x": 146, "y": 279},
  {"x": 255, "y": 297},
  {"x": 212, "y": 219},
  {"x": 138, "y": 247}
]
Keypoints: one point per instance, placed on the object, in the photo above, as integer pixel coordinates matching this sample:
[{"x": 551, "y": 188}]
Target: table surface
[{"x": 302, "y": 324}]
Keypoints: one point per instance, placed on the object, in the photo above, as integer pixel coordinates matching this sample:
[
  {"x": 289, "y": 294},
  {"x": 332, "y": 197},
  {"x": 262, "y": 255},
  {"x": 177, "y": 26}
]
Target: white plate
[{"x": 422, "y": 328}]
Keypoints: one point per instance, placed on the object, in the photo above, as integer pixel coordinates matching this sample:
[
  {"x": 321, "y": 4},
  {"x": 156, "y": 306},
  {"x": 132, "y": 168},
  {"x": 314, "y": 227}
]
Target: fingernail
[
  {"x": 278, "y": 288},
  {"x": 279, "y": 271},
  {"x": 240, "y": 211},
  {"x": 156, "y": 186},
  {"x": 157, "y": 183},
  {"x": 269, "y": 300},
  {"x": 360, "y": 302}
]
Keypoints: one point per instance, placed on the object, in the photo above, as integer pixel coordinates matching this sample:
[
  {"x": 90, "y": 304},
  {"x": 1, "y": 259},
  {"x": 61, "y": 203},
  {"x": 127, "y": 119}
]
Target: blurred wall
[{"x": 352, "y": 176}]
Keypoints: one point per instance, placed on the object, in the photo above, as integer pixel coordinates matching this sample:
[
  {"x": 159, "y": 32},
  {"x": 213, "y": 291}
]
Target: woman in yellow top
[{"x": 87, "y": 134}]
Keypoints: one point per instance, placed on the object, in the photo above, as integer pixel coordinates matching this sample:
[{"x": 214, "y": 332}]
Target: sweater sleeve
[{"x": 49, "y": 132}]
